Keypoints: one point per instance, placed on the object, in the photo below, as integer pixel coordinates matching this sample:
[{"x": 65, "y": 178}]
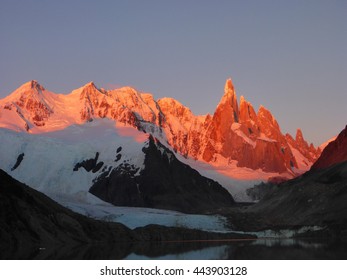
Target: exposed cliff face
[
  {"x": 248, "y": 117},
  {"x": 179, "y": 125},
  {"x": 253, "y": 140},
  {"x": 335, "y": 152},
  {"x": 164, "y": 183},
  {"x": 232, "y": 133},
  {"x": 219, "y": 134}
]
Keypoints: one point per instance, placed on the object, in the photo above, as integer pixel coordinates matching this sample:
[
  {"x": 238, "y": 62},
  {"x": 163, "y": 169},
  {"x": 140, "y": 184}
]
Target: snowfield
[
  {"x": 49, "y": 158},
  {"x": 62, "y": 150}
]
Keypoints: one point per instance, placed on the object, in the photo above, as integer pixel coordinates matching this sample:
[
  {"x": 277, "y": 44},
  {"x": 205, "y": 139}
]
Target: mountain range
[
  {"x": 233, "y": 135},
  {"x": 94, "y": 149}
]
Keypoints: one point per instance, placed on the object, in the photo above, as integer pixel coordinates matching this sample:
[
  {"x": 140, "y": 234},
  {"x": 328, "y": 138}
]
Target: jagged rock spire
[
  {"x": 229, "y": 101},
  {"x": 247, "y": 112}
]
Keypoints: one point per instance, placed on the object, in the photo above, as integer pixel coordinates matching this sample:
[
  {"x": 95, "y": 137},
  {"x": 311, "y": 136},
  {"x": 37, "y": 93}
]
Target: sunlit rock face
[
  {"x": 252, "y": 139},
  {"x": 335, "y": 152},
  {"x": 234, "y": 134},
  {"x": 299, "y": 143},
  {"x": 30, "y": 105}
]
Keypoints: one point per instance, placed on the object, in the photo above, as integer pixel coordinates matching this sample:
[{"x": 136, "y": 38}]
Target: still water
[{"x": 267, "y": 249}]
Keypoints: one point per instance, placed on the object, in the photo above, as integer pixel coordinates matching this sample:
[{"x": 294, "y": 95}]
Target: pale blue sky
[{"x": 289, "y": 56}]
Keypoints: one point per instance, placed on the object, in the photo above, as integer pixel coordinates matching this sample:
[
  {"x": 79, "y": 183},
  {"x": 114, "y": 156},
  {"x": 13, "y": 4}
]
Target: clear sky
[{"x": 290, "y": 56}]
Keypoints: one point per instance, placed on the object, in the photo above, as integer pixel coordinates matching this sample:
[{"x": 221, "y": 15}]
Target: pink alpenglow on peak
[{"x": 235, "y": 135}]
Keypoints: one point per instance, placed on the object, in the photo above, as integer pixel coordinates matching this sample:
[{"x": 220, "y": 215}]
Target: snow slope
[
  {"x": 236, "y": 180},
  {"x": 61, "y": 150}
]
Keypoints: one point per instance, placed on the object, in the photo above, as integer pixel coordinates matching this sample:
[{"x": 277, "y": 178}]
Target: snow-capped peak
[
  {"x": 89, "y": 87},
  {"x": 30, "y": 88},
  {"x": 91, "y": 83},
  {"x": 33, "y": 84}
]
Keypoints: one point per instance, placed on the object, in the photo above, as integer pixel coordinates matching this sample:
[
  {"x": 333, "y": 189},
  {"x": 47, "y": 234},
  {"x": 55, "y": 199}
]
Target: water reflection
[
  {"x": 263, "y": 249},
  {"x": 210, "y": 253},
  {"x": 268, "y": 249},
  {"x": 291, "y": 249}
]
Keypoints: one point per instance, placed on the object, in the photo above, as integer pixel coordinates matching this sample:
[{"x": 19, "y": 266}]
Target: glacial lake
[{"x": 260, "y": 249}]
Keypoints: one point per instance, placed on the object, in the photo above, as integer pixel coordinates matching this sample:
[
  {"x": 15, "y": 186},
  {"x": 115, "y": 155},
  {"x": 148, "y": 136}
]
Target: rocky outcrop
[
  {"x": 18, "y": 162},
  {"x": 91, "y": 164},
  {"x": 164, "y": 183},
  {"x": 29, "y": 220},
  {"x": 335, "y": 152},
  {"x": 307, "y": 150}
]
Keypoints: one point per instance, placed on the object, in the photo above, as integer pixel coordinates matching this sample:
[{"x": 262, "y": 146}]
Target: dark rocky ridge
[
  {"x": 164, "y": 183},
  {"x": 317, "y": 198},
  {"x": 335, "y": 152},
  {"x": 29, "y": 220}
]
